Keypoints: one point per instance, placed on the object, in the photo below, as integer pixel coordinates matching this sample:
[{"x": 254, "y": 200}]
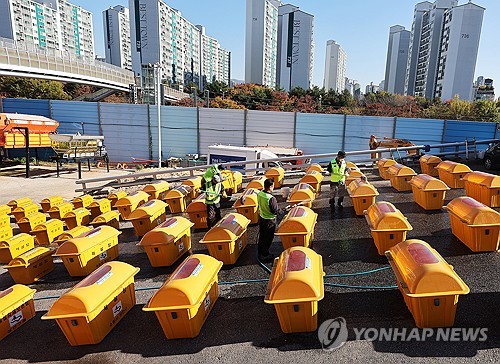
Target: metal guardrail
[
  {"x": 21, "y": 59},
  {"x": 155, "y": 173}
]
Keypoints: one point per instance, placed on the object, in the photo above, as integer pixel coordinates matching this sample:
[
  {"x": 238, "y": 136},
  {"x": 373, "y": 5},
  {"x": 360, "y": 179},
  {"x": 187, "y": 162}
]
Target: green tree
[{"x": 32, "y": 88}]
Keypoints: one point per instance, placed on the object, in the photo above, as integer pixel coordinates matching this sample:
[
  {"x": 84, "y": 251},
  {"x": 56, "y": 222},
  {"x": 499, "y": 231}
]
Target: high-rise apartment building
[
  {"x": 160, "y": 34},
  {"x": 397, "y": 59},
  {"x": 447, "y": 36},
  {"x": 117, "y": 36},
  {"x": 335, "y": 65},
  {"x": 214, "y": 59},
  {"x": 295, "y": 48},
  {"x": 261, "y": 41},
  {"x": 52, "y": 24}
]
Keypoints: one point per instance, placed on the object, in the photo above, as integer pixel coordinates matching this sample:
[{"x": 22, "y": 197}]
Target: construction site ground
[{"x": 241, "y": 327}]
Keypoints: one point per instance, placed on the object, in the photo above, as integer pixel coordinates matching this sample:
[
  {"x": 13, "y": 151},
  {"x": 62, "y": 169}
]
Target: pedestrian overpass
[{"x": 25, "y": 60}]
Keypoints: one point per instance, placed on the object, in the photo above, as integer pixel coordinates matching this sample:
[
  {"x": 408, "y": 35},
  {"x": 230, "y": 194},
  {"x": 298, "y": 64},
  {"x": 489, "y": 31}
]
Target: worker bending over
[
  {"x": 338, "y": 172},
  {"x": 213, "y": 192}
]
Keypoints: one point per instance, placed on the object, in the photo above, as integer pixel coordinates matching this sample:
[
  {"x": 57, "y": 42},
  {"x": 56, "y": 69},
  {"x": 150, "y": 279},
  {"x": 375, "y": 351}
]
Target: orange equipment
[
  {"x": 39, "y": 129},
  {"x": 389, "y": 143}
]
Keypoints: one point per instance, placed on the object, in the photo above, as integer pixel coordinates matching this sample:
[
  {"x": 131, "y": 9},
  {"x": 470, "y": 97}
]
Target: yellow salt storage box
[
  {"x": 157, "y": 190},
  {"x": 452, "y": 173},
  {"x": 257, "y": 183},
  {"x": 183, "y": 302},
  {"x": 5, "y": 210},
  {"x": 4, "y": 220},
  {"x": 483, "y": 187},
  {"x": 475, "y": 224},
  {"x": 400, "y": 176},
  {"x": 115, "y": 196},
  {"x": 428, "y": 192},
  {"x": 302, "y": 193},
  {"x": 297, "y": 227},
  {"x": 99, "y": 207},
  {"x": 110, "y": 218},
  {"x": 89, "y": 251},
  {"x": 314, "y": 167},
  {"x": 148, "y": 216},
  {"x": 228, "y": 238},
  {"x": 352, "y": 166},
  {"x": 314, "y": 180},
  {"x": 248, "y": 206},
  {"x": 91, "y": 309},
  {"x": 72, "y": 234},
  {"x": 6, "y": 232},
  {"x": 277, "y": 174},
  {"x": 49, "y": 202},
  {"x": 232, "y": 182},
  {"x": 362, "y": 194},
  {"x": 383, "y": 165},
  {"x": 387, "y": 224},
  {"x": 353, "y": 175},
  {"x": 295, "y": 287},
  {"x": 29, "y": 267},
  {"x": 58, "y": 212},
  {"x": 195, "y": 184},
  {"x": 129, "y": 203},
  {"x": 429, "y": 285},
  {"x": 82, "y": 201},
  {"x": 15, "y": 246},
  {"x": 428, "y": 164},
  {"x": 77, "y": 217},
  {"x": 16, "y": 307},
  {"x": 178, "y": 198},
  {"x": 197, "y": 212},
  {"x": 167, "y": 242},
  {"x": 24, "y": 210},
  {"x": 48, "y": 232},
  {"x": 19, "y": 202},
  {"x": 28, "y": 223}
]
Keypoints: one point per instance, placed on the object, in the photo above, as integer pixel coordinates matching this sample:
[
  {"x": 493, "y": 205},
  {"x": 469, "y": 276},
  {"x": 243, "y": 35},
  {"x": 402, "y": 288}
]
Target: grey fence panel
[
  {"x": 178, "y": 131},
  {"x": 221, "y": 126},
  {"x": 125, "y": 129},
  {"x": 270, "y": 128},
  {"x": 319, "y": 133},
  {"x": 359, "y": 129},
  {"x": 76, "y": 117},
  {"x": 420, "y": 131}
]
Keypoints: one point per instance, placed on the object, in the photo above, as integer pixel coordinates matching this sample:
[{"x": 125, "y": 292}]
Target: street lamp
[{"x": 157, "y": 75}]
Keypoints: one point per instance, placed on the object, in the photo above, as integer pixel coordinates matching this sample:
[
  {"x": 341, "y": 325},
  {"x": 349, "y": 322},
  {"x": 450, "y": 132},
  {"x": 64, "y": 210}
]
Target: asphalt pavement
[{"x": 242, "y": 328}]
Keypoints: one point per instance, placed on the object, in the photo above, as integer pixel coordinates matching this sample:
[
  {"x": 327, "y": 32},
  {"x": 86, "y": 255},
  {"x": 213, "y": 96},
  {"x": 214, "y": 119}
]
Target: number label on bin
[
  {"x": 16, "y": 318},
  {"x": 103, "y": 256},
  {"x": 206, "y": 302},
  {"x": 181, "y": 247},
  {"x": 240, "y": 244},
  {"x": 117, "y": 308}
]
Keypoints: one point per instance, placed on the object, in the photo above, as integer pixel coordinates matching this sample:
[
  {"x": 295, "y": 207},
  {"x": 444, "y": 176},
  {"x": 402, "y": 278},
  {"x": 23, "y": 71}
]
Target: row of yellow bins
[
  {"x": 388, "y": 226},
  {"x": 297, "y": 227},
  {"x": 452, "y": 173},
  {"x": 428, "y": 192},
  {"x": 129, "y": 203},
  {"x": 157, "y": 190},
  {"x": 178, "y": 198},
  {"x": 195, "y": 184},
  {"x": 313, "y": 178},
  {"x": 166, "y": 243},
  {"x": 362, "y": 194},
  {"x": 302, "y": 193},
  {"x": 429, "y": 285},
  {"x": 483, "y": 187},
  {"x": 400, "y": 177},
  {"x": 148, "y": 216},
  {"x": 474, "y": 224},
  {"x": 428, "y": 164},
  {"x": 228, "y": 238},
  {"x": 383, "y": 165}
]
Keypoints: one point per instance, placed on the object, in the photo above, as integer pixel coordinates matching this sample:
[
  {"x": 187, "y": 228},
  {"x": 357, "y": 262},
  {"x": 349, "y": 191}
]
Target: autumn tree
[{"x": 32, "y": 88}]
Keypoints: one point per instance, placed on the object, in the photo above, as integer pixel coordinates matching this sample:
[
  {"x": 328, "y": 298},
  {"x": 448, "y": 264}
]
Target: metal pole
[
  {"x": 208, "y": 99},
  {"x": 158, "y": 109}
]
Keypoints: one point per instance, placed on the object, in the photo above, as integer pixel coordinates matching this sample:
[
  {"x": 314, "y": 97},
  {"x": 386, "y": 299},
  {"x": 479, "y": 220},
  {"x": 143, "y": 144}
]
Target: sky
[{"x": 361, "y": 27}]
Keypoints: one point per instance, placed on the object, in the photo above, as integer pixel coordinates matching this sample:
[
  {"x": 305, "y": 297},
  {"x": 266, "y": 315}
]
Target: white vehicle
[{"x": 220, "y": 154}]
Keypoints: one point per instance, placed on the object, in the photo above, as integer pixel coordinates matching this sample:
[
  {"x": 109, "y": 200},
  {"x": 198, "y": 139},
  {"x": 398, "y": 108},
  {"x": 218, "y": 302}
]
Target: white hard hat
[{"x": 216, "y": 178}]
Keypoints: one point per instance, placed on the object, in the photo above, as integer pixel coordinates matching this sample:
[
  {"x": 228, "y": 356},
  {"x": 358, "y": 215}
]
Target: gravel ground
[{"x": 242, "y": 328}]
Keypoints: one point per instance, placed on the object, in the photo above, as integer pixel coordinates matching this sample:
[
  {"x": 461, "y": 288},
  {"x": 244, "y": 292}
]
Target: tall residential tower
[
  {"x": 397, "y": 58},
  {"x": 117, "y": 36},
  {"x": 335, "y": 64}
]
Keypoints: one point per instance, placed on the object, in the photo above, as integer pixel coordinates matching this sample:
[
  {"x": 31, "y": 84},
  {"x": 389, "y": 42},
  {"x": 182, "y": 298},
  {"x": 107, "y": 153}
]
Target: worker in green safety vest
[
  {"x": 338, "y": 172},
  {"x": 213, "y": 192},
  {"x": 268, "y": 210},
  {"x": 211, "y": 171}
]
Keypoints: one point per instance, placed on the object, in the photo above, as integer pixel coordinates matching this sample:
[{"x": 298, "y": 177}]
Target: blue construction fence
[{"x": 131, "y": 131}]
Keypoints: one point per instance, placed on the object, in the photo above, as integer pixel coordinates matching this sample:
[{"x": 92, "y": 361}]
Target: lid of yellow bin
[
  {"x": 187, "y": 286},
  {"x": 423, "y": 270},
  {"x": 17, "y": 239},
  {"x": 86, "y": 240},
  {"x": 56, "y": 223},
  {"x": 473, "y": 212},
  {"x": 228, "y": 229},
  {"x": 385, "y": 216},
  {"x": 428, "y": 183},
  {"x": 26, "y": 258},
  {"x": 157, "y": 186},
  {"x": 401, "y": 170},
  {"x": 178, "y": 192},
  {"x": 428, "y": 158},
  {"x": 385, "y": 162},
  {"x": 150, "y": 208},
  {"x": 166, "y": 232},
  {"x": 299, "y": 220},
  {"x": 194, "y": 182},
  {"x": 248, "y": 198},
  {"x": 13, "y": 297},
  {"x": 275, "y": 171},
  {"x": 358, "y": 188},
  {"x": 297, "y": 276},
  {"x": 453, "y": 167},
  {"x": 87, "y": 297},
  {"x": 134, "y": 198},
  {"x": 484, "y": 179},
  {"x": 197, "y": 205}
]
